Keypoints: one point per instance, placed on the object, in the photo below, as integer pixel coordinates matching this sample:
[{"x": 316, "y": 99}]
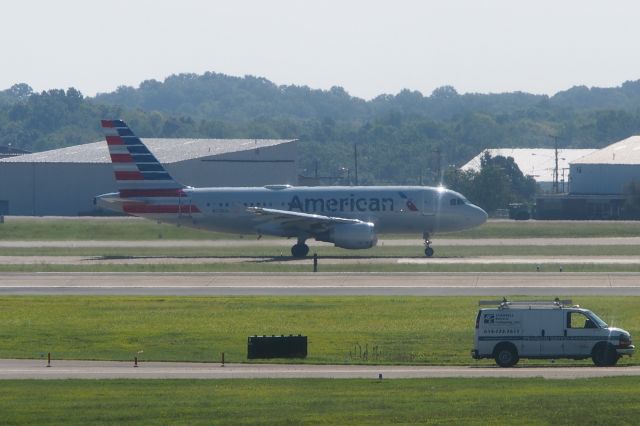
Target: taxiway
[
  {"x": 326, "y": 284},
  {"x": 37, "y": 369}
]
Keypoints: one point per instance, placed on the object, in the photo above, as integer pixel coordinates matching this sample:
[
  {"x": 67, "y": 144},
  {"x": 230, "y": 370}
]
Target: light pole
[{"x": 348, "y": 173}]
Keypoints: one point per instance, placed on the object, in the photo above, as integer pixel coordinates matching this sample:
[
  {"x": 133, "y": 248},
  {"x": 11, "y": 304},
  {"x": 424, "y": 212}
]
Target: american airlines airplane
[{"x": 347, "y": 216}]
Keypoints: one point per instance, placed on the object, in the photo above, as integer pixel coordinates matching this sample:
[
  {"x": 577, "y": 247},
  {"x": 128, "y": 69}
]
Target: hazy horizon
[{"x": 369, "y": 48}]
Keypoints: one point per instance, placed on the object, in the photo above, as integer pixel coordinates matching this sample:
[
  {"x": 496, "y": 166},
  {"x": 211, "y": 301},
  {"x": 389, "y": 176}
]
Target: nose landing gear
[{"x": 428, "y": 251}]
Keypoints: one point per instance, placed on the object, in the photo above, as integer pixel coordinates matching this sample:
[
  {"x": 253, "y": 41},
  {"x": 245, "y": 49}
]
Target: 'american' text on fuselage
[{"x": 349, "y": 204}]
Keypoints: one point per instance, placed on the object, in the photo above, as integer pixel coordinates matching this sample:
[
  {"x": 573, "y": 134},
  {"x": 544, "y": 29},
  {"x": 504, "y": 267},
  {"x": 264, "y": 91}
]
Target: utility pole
[
  {"x": 556, "y": 188},
  {"x": 355, "y": 158},
  {"x": 438, "y": 165}
]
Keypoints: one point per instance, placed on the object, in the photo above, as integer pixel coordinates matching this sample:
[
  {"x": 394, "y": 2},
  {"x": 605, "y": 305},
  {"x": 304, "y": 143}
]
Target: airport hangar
[
  {"x": 536, "y": 162},
  {"x": 592, "y": 183},
  {"x": 598, "y": 185},
  {"x": 63, "y": 182}
]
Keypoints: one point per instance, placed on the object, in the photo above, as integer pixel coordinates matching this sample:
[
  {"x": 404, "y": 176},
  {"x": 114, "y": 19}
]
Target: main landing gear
[
  {"x": 300, "y": 249},
  {"x": 428, "y": 251}
]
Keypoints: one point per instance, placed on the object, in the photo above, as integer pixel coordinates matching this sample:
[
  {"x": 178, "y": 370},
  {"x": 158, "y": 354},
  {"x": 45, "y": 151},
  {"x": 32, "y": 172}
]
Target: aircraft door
[{"x": 428, "y": 203}]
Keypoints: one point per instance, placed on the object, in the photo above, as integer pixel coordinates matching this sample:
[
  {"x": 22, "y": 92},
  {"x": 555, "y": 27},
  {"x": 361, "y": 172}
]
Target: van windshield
[{"x": 596, "y": 319}]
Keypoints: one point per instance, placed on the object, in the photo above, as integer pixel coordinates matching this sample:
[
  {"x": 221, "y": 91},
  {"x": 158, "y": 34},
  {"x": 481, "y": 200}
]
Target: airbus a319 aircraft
[{"x": 347, "y": 216}]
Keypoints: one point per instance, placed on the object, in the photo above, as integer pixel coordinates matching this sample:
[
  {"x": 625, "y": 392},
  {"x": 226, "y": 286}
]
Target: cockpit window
[{"x": 456, "y": 202}]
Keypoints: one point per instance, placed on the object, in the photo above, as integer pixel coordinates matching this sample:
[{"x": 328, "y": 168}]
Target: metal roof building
[
  {"x": 536, "y": 162},
  {"x": 597, "y": 185},
  {"x": 607, "y": 171},
  {"x": 9, "y": 151},
  {"x": 64, "y": 181}
]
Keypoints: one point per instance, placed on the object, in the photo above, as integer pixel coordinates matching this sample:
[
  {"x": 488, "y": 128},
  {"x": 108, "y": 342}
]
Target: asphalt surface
[
  {"x": 37, "y": 369},
  {"x": 283, "y": 242},
  {"x": 325, "y": 284},
  {"x": 179, "y": 260}
]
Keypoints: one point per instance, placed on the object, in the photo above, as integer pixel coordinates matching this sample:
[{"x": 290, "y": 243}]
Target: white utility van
[{"x": 538, "y": 329}]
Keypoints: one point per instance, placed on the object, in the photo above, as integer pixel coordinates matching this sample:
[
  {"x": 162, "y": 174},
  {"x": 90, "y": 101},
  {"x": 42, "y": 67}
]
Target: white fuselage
[{"x": 392, "y": 209}]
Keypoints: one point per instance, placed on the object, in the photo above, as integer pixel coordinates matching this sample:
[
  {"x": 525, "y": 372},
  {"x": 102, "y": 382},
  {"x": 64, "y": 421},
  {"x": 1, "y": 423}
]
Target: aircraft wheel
[
  {"x": 428, "y": 252},
  {"x": 300, "y": 250}
]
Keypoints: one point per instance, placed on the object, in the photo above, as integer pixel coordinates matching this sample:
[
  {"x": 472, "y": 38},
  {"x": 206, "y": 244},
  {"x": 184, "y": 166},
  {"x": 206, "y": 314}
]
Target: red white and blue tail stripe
[{"x": 140, "y": 177}]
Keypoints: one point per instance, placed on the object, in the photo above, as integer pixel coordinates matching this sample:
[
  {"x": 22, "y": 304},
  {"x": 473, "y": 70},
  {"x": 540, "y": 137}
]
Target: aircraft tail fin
[
  {"x": 144, "y": 185},
  {"x": 137, "y": 171}
]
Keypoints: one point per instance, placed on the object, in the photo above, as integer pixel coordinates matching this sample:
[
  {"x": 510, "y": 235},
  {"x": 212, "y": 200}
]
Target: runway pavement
[
  {"x": 37, "y": 369},
  {"x": 282, "y": 242},
  {"x": 326, "y": 284},
  {"x": 199, "y": 260}
]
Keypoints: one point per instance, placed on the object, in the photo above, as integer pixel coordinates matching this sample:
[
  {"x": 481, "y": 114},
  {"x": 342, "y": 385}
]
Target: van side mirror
[{"x": 589, "y": 324}]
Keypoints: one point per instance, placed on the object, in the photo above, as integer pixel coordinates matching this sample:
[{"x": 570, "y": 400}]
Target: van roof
[{"x": 527, "y": 304}]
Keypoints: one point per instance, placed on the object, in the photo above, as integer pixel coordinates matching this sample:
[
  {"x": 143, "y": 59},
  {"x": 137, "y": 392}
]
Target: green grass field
[
  {"x": 354, "y": 330},
  {"x": 551, "y": 229},
  {"x": 139, "y": 229},
  {"x": 347, "y": 402},
  {"x": 128, "y": 229},
  {"x": 394, "y": 330}
]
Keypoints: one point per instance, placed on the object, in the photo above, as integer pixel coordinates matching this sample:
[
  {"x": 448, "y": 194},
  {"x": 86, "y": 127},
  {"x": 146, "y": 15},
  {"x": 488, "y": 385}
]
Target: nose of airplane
[{"x": 477, "y": 215}]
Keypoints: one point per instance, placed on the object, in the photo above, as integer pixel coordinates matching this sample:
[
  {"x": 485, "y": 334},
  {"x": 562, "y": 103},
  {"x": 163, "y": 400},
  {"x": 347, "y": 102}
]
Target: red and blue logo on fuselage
[{"x": 409, "y": 202}]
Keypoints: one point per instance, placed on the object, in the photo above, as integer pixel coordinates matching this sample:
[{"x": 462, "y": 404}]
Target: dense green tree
[
  {"x": 491, "y": 188},
  {"x": 521, "y": 187},
  {"x": 498, "y": 183},
  {"x": 407, "y": 138}
]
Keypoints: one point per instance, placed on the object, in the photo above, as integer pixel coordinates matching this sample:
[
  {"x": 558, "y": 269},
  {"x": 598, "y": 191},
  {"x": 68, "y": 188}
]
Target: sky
[{"x": 367, "y": 47}]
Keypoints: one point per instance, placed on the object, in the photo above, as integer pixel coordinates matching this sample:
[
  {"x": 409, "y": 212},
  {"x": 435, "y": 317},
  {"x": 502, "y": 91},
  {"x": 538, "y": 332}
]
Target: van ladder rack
[{"x": 504, "y": 303}]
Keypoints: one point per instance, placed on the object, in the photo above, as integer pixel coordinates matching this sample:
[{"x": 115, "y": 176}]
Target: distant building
[
  {"x": 538, "y": 163},
  {"x": 9, "y": 151},
  {"x": 607, "y": 171},
  {"x": 597, "y": 184},
  {"x": 64, "y": 181}
]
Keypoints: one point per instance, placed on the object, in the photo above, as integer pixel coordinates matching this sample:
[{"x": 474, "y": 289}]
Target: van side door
[
  {"x": 552, "y": 333},
  {"x": 530, "y": 343}
]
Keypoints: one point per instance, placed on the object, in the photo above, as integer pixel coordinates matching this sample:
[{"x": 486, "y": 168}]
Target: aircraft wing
[{"x": 299, "y": 221}]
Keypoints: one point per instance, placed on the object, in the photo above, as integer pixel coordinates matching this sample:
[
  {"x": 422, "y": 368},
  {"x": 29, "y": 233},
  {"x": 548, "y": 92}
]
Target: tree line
[{"x": 407, "y": 138}]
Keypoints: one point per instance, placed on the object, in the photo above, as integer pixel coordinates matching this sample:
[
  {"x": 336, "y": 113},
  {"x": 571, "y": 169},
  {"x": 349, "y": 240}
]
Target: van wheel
[
  {"x": 604, "y": 355},
  {"x": 506, "y": 355}
]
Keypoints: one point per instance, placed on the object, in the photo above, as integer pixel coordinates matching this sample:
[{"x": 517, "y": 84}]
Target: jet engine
[{"x": 351, "y": 236}]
